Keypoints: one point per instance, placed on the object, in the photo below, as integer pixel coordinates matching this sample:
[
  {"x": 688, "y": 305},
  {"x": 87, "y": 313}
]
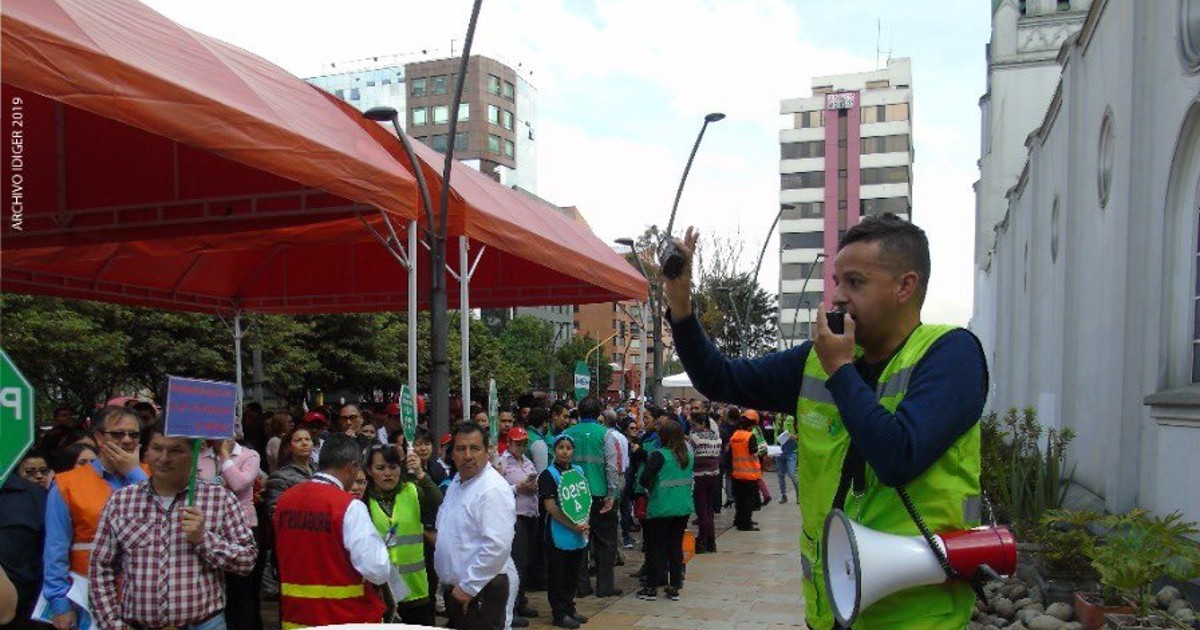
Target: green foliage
[
  {"x": 1023, "y": 474},
  {"x": 576, "y": 350},
  {"x": 722, "y": 303},
  {"x": 1063, "y": 537},
  {"x": 1139, "y": 549}
]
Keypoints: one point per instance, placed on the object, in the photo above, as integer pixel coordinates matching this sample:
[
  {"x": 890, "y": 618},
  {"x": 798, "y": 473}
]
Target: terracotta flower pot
[{"x": 1091, "y": 615}]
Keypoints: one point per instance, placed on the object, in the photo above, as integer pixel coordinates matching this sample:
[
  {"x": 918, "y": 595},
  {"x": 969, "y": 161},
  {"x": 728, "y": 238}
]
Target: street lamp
[
  {"x": 439, "y": 320},
  {"x": 670, "y": 259},
  {"x": 803, "y": 300},
  {"x": 656, "y": 314}
]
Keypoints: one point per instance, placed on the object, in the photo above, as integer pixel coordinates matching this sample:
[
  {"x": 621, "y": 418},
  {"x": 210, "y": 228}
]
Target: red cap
[
  {"x": 517, "y": 433},
  {"x": 750, "y": 414},
  {"x": 315, "y": 416},
  {"x": 446, "y": 439},
  {"x": 393, "y": 409}
]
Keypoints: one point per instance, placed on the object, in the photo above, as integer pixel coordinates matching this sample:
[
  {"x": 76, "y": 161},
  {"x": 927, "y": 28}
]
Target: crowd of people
[{"x": 335, "y": 514}]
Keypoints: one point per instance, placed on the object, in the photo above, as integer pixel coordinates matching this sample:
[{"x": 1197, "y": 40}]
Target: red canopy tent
[{"x": 160, "y": 167}]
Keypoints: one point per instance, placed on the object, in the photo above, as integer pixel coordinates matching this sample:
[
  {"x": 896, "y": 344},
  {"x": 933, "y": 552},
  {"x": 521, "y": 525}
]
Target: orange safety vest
[
  {"x": 85, "y": 492},
  {"x": 745, "y": 464},
  {"x": 318, "y": 585}
]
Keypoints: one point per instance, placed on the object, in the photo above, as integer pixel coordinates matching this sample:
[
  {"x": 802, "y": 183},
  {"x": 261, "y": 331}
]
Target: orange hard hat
[{"x": 751, "y": 415}]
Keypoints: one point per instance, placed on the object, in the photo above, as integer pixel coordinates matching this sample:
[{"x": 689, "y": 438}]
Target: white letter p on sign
[{"x": 10, "y": 397}]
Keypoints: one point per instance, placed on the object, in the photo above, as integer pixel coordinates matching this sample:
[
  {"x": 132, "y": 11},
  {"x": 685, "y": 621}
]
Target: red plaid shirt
[{"x": 164, "y": 580}]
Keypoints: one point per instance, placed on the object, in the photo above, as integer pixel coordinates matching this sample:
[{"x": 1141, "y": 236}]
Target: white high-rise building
[{"x": 845, "y": 152}]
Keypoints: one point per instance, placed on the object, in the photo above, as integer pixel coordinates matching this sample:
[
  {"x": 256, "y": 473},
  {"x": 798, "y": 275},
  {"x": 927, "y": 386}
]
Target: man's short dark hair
[
  {"x": 903, "y": 246},
  {"x": 590, "y": 407},
  {"x": 467, "y": 428},
  {"x": 538, "y": 417},
  {"x": 557, "y": 408},
  {"x": 339, "y": 451}
]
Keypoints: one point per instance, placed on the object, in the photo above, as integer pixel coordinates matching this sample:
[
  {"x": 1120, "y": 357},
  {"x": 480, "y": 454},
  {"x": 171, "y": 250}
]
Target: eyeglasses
[
  {"x": 117, "y": 435},
  {"x": 31, "y": 472}
]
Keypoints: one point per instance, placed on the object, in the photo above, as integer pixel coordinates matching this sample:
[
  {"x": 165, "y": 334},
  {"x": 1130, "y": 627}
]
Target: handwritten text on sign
[{"x": 200, "y": 409}]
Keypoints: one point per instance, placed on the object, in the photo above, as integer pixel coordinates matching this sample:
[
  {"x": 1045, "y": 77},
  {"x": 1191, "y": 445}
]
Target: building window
[
  {"x": 885, "y": 113},
  {"x": 441, "y": 114},
  {"x": 341, "y": 94},
  {"x": 509, "y": 91},
  {"x": 808, "y": 299},
  {"x": 493, "y": 144},
  {"x": 802, "y": 240},
  {"x": 506, "y": 119},
  {"x": 798, "y": 330},
  {"x": 800, "y": 271},
  {"x": 461, "y": 141},
  {"x": 354, "y": 94},
  {"x": 370, "y": 84},
  {"x": 801, "y": 150},
  {"x": 509, "y": 149},
  {"x": 437, "y": 84},
  {"x": 794, "y": 181},
  {"x": 493, "y": 114},
  {"x": 420, "y": 116},
  {"x": 438, "y": 142},
  {"x": 810, "y": 210},
  {"x": 871, "y": 207},
  {"x": 493, "y": 84},
  {"x": 878, "y": 85},
  {"x": 464, "y": 111},
  {"x": 810, "y": 120},
  {"x": 418, "y": 87},
  {"x": 885, "y": 175},
  {"x": 884, "y": 144},
  {"x": 386, "y": 81}
]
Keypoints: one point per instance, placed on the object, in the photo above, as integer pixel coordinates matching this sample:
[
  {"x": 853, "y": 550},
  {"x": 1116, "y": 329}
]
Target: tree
[
  {"x": 722, "y": 309},
  {"x": 576, "y": 350},
  {"x": 167, "y": 343}
]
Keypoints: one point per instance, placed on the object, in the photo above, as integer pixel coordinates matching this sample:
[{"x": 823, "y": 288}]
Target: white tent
[{"x": 677, "y": 380}]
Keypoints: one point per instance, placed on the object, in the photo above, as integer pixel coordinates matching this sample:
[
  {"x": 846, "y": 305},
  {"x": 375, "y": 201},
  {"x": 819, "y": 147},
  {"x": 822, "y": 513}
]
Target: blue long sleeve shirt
[
  {"x": 945, "y": 397},
  {"x": 60, "y": 532}
]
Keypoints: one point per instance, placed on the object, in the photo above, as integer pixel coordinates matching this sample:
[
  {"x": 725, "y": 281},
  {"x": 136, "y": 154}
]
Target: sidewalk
[{"x": 751, "y": 583}]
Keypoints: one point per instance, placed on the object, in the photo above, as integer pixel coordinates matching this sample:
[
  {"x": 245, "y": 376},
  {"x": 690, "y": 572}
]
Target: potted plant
[{"x": 1139, "y": 549}]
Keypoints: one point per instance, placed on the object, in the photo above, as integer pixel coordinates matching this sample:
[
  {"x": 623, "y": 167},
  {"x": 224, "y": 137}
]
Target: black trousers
[
  {"x": 537, "y": 558},
  {"x": 486, "y": 611},
  {"x": 745, "y": 499},
  {"x": 664, "y": 550},
  {"x": 421, "y": 614},
  {"x": 242, "y": 600},
  {"x": 602, "y": 542},
  {"x": 562, "y": 569},
  {"x": 525, "y": 546}
]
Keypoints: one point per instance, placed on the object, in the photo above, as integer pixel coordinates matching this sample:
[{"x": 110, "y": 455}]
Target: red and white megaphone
[{"x": 862, "y": 566}]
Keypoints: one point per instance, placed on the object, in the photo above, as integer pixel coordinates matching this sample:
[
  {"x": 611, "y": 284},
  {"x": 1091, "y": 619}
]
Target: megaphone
[{"x": 862, "y": 566}]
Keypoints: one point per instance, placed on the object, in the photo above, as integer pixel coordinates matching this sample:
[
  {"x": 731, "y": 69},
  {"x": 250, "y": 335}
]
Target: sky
[{"x": 623, "y": 87}]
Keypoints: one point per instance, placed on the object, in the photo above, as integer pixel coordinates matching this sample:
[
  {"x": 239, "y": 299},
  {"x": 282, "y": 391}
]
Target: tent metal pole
[
  {"x": 464, "y": 309},
  {"x": 412, "y": 307},
  {"x": 237, "y": 362}
]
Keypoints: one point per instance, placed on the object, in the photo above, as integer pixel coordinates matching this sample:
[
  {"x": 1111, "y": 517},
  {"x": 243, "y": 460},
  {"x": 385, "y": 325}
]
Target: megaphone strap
[{"x": 976, "y": 584}]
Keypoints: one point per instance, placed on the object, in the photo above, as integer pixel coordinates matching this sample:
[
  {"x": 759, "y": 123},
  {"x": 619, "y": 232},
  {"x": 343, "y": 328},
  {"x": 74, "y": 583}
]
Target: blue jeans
[
  {"x": 216, "y": 623},
  {"x": 786, "y": 465}
]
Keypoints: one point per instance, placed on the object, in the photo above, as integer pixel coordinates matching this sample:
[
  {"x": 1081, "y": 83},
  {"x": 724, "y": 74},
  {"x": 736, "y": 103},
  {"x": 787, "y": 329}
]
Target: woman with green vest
[
  {"x": 668, "y": 477},
  {"x": 395, "y": 501},
  {"x": 883, "y": 402}
]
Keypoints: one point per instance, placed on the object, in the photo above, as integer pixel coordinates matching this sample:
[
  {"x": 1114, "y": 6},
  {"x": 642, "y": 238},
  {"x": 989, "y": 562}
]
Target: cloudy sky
[{"x": 623, "y": 86}]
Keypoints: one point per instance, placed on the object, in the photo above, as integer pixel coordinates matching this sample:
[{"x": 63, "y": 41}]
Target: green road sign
[
  {"x": 408, "y": 414},
  {"x": 16, "y": 415},
  {"x": 583, "y": 380},
  {"x": 493, "y": 411},
  {"x": 574, "y": 497}
]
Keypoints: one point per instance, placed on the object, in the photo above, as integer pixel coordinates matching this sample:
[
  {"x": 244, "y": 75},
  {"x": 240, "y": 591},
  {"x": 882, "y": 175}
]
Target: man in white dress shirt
[{"x": 475, "y": 525}]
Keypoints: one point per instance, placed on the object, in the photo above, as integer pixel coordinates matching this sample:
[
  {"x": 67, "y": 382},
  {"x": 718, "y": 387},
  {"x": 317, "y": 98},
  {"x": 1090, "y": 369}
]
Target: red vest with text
[{"x": 317, "y": 584}]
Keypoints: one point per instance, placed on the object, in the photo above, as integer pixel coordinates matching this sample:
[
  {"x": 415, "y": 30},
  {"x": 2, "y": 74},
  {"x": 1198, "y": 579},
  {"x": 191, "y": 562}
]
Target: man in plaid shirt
[{"x": 169, "y": 558}]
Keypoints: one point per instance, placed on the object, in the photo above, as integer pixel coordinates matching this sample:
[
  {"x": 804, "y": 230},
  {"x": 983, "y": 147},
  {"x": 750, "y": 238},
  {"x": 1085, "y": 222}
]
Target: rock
[
  {"x": 1017, "y": 626},
  {"x": 1166, "y": 595},
  {"x": 1063, "y": 612},
  {"x": 1027, "y": 616},
  {"x": 999, "y": 621},
  {"x": 1178, "y": 605},
  {"x": 991, "y": 627},
  {"x": 1186, "y": 615},
  {"x": 1072, "y": 625},
  {"x": 1019, "y": 591},
  {"x": 1035, "y": 594},
  {"x": 1022, "y": 603},
  {"x": 1036, "y": 606},
  {"x": 974, "y": 626},
  {"x": 1004, "y": 607},
  {"x": 1046, "y": 622}
]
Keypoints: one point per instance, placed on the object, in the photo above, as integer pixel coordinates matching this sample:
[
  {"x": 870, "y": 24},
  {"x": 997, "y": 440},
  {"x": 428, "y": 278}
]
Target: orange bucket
[{"x": 689, "y": 545}]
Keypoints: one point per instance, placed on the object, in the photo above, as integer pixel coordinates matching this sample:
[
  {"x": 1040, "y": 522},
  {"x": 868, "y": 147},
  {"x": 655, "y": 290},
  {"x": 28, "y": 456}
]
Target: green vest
[
  {"x": 946, "y": 495},
  {"x": 405, "y": 536},
  {"x": 589, "y": 455},
  {"x": 671, "y": 494},
  {"x": 536, "y": 436}
]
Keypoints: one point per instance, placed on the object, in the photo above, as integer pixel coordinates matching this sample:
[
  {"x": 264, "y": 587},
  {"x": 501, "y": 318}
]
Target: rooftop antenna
[{"x": 878, "y": 34}]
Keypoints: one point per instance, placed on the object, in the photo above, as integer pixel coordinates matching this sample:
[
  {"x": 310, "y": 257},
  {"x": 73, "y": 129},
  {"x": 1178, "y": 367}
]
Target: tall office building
[
  {"x": 845, "y": 153},
  {"x": 497, "y": 117}
]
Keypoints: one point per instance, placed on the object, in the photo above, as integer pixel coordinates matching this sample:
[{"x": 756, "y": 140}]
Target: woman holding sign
[
  {"x": 395, "y": 501},
  {"x": 668, "y": 475},
  {"x": 563, "y": 491}
]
